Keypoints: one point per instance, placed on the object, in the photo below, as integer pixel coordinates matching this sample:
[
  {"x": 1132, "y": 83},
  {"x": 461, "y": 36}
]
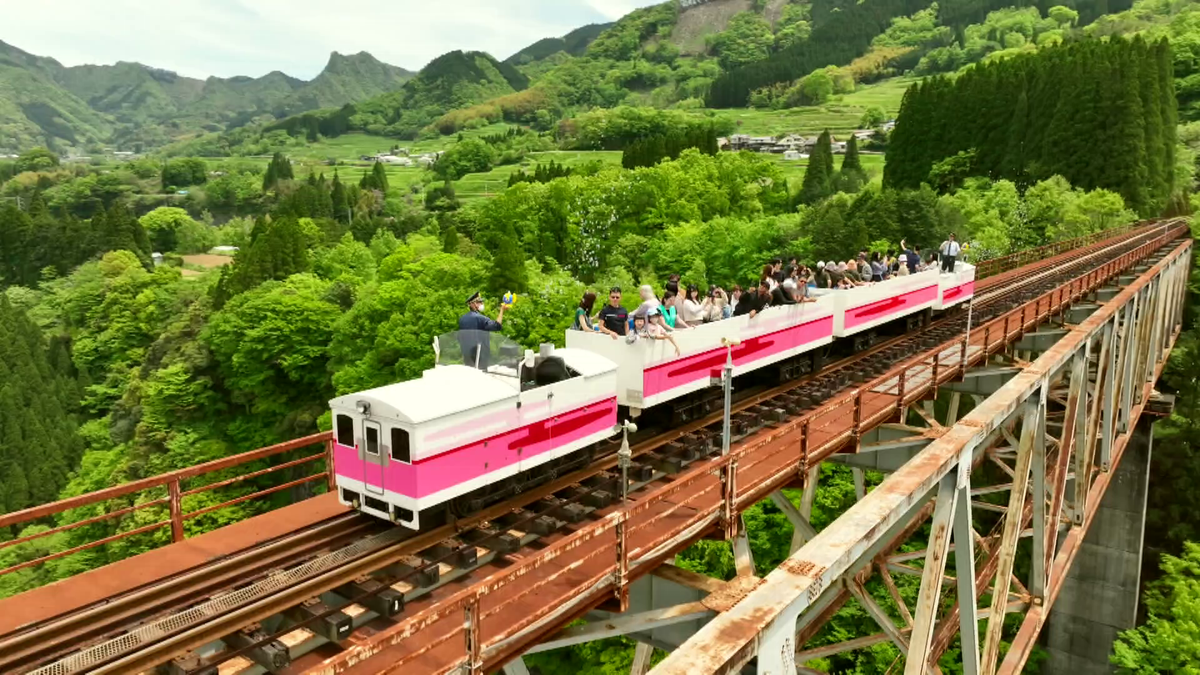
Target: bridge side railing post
[{"x": 175, "y": 496}]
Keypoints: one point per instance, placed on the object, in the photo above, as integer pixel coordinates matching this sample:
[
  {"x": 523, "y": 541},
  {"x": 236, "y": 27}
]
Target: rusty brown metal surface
[
  {"x": 86, "y": 589},
  {"x": 731, "y": 639}
]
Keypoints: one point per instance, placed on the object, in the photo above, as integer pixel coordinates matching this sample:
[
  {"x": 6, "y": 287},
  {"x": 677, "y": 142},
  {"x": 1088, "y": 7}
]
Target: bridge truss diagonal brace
[{"x": 763, "y": 624}]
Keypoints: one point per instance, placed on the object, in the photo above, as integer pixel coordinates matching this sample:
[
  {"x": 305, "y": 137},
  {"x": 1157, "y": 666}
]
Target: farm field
[{"x": 842, "y": 114}]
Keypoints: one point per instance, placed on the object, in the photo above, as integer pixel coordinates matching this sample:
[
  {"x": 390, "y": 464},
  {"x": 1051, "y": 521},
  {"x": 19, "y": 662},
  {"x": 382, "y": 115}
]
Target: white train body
[{"x": 410, "y": 447}]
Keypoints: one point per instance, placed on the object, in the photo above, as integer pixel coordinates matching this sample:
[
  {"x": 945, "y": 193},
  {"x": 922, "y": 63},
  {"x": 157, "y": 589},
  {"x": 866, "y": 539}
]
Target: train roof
[
  {"x": 450, "y": 389},
  {"x": 440, "y": 391}
]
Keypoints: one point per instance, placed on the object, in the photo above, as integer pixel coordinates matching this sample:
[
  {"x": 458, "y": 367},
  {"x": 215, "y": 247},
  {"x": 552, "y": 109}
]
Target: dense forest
[
  {"x": 1034, "y": 124},
  {"x": 1031, "y": 117}
]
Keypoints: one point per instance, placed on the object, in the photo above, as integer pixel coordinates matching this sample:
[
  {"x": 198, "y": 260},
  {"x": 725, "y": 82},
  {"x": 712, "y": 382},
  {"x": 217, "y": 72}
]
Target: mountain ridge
[{"x": 136, "y": 104}]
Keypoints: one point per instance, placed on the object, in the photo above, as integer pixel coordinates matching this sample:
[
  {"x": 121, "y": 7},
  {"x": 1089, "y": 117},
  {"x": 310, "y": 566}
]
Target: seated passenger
[
  {"x": 673, "y": 305},
  {"x": 714, "y": 306},
  {"x": 692, "y": 310},
  {"x": 753, "y": 302},
  {"x": 902, "y": 270},
  {"x": 650, "y": 331},
  {"x": 651, "y": 308},
  {"x": 779, "y": 296},
  {"x": 613, "y": 319},
  {"x": 878, "y": 271},
  {"x": 583, "y": 313},
  {"x": 855, "y": 273},
  {"x": 768, "y": 275},
  {"x": 735, "y": 296}
]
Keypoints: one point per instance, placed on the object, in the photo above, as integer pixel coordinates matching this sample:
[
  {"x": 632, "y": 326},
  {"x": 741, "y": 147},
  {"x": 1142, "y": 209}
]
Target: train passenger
[
  {"x": 902, "y": 269},
  {"x": 475, "y": 345},
  {"x": 754, "y": 301},
  {"x": 651, "y": 308},
  {"x": 781, "y": 297},
  {"x": 822, "y": 276},
  {"x": 777, "y": 271},
  {"x": 693, "y": 306},
  {"x": 613, "y": 318},
  {"x": 949, "y": 250},
  {"x": 878, "y": 269},
  {"x": 650, "y": 331},
  {"x": 840, "y": 275},
  {"x": 768, "y": 275},
  {"x": 735, "y": 296},
  {"x": 909, "y": 256},
  {"x": 670, "y": 311},
  {"x": 850, "y": 270},
  {"x": 715, "y": 306},
  {"x": 583, "y": 312},
  {"x": 673, "y": 304}
]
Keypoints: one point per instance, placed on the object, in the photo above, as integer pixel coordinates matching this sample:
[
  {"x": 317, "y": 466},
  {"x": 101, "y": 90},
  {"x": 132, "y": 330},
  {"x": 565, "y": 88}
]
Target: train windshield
[{"x": 489, "y": 352}]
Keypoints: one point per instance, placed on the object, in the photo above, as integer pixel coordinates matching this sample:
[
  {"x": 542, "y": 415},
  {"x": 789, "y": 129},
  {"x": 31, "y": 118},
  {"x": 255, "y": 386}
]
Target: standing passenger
[
  {"x": 949, "y": 250},
  {"x": 476, "y": 346}
]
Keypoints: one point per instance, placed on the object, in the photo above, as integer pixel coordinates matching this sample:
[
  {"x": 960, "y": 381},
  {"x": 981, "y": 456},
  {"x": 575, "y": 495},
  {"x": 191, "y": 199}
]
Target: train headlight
[{"x": 363, "y": 408}]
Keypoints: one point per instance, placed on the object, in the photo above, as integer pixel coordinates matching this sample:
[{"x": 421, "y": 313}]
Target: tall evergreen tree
[
  {"x": 818, "y": 177},
  {"x": 338, "y": 203},
  {"x": 1099, "y": 113},
  {"x": 38, "y": 403},
  {"x": 851, "y": 162}
]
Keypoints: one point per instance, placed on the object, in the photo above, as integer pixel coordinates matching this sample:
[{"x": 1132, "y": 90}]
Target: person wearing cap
[
  {"x": 472, "y": 342},
  {"x": 650, "y": 308},
  {"x": 949, "y": 250}
]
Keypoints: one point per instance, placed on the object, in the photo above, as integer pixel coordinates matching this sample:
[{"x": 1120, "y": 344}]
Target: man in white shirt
[{"x": 949, "y": 251}]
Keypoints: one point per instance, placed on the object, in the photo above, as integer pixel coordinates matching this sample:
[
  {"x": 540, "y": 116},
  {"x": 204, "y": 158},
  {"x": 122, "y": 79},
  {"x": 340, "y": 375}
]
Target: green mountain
[
  {"x": 453, "y": 80},
  {"x": 43, "y": 102},
  {"x": 574, "y": 43}
]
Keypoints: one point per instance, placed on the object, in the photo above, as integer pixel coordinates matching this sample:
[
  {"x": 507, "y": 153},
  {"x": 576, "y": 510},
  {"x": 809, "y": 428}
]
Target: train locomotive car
[
  {"x": 487, "y": 422},
  {"x": 458, "y": 437}
]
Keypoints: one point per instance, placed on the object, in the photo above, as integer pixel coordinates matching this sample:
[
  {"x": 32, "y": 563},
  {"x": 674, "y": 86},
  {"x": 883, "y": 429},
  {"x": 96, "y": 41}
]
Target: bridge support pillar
[{"x": 1099, "y": 597}]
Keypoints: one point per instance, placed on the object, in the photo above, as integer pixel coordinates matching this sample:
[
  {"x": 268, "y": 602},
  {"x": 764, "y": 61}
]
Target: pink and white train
[{"x": 460, "y": 437}]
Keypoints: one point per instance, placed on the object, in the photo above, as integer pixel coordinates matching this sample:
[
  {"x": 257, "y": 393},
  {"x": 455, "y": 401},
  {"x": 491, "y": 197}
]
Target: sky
[{"x": 199, "y": 38}]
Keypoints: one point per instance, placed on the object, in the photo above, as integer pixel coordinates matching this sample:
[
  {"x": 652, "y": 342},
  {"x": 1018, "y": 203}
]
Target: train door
[{"x": 373, "y": 457}]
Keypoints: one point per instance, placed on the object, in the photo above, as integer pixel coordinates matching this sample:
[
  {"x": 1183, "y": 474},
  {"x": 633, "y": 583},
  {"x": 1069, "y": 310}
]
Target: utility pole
[{"x": 625, "y": 458}]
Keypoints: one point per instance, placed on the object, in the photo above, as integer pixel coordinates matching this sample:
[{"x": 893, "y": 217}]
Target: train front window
[
  {"x": 400, "y": 449},
  {"x": 372, "y": 434},
  {"x": 345, "y": 431}
]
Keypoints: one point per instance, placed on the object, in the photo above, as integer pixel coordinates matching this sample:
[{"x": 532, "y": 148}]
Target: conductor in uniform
[{"x": 475, "y": 343}]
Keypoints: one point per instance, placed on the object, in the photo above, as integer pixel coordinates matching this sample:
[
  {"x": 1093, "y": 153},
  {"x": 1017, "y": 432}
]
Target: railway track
[{"x": 379, "y": 572}]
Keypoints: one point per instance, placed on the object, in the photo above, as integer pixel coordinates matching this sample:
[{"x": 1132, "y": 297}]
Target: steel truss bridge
[{"x": 1000, "y": 430}]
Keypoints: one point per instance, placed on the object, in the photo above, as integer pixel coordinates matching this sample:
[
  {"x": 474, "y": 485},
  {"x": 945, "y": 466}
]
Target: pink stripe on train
[
  {"x": 454, "y": 467},
  {"x": 958, "y": 292},
  {"x": 890, "y": 308},
  {"x": 684, "y": 371}
]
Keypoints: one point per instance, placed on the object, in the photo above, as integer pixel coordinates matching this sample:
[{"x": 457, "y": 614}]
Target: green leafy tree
[
  {"x": 1169, "y": 641},
  {"x": 35, "y": 159},
  {"x": 469, "y": 156},
  {"x": 178, "y": 173},
  {"x": 746, "y": 39}
]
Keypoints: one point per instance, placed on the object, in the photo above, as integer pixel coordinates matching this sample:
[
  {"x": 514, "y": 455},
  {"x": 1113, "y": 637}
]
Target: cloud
[
  {"x": 198, "y": 38},
  {"x": 615, "y": 9}
]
